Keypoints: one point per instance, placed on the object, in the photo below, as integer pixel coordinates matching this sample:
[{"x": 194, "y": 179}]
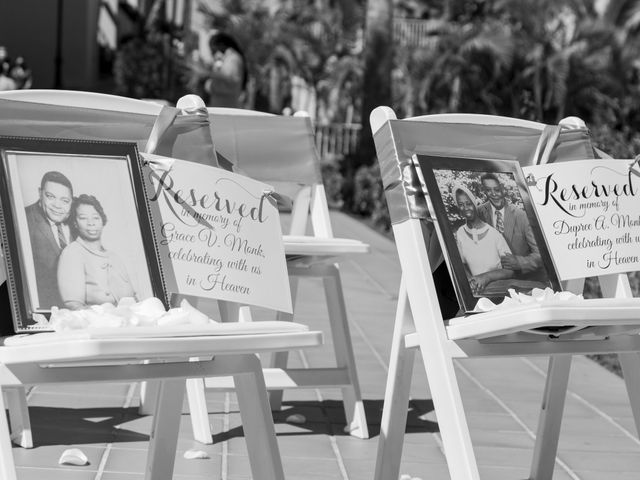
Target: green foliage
[
  {"x": 333, "y": 183},
  {"x": 299, "y": 39},
  {"x": 368, "y": 197},
  {"x": 623, "y": 143},
  {"x": 149, "y": 63},
  {"x": 140, "y": 69},
  {"x": 541, "y": 60}
]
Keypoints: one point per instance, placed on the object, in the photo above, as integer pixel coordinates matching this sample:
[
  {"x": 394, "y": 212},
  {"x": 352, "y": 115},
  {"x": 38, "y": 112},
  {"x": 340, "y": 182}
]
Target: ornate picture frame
[
  {"x": 491, "y": 237},
  {"x": 75, "y": 226}
]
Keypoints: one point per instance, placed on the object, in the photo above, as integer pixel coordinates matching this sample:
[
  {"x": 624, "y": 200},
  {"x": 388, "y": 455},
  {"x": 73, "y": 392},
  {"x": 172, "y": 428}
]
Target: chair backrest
[
  {"x": 281, "y": 151},
  {"x": 95, "y": 116},
  {"x": 71, "y": 98},
  {"x": 461, "y": 135}
]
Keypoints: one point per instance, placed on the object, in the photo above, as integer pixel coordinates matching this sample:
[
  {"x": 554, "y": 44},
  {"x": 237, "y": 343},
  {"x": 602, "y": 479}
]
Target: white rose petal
[
  {"x": 73, "y": 456},
  {"x": 195, "y": 454},
  {"x": 296, "y": 418}
]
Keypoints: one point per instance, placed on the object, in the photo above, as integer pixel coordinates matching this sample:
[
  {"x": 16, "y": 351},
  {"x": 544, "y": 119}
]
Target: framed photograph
[
  {"x": 75, "y": 226},
  {"x": 488, "y": 228}
]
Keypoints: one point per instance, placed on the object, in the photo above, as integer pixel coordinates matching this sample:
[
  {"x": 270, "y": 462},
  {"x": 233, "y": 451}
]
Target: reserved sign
[
  {"x": 219, "y": 236},
  {"x": 589, "y": 212}
]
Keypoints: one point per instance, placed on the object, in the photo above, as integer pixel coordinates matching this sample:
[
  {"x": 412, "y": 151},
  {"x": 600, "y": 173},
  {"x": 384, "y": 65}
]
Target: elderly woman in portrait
[
  {"x": 89, "y": 274},
  {"x": 480, "y": 245}
]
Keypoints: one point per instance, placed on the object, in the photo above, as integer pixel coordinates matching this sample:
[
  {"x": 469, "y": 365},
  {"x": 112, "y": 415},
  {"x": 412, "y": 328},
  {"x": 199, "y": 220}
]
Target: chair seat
[
  {"x": 137, "y": 343},
  {"x": 593, "y": 313},
  {"x": 302, "y": 249}
]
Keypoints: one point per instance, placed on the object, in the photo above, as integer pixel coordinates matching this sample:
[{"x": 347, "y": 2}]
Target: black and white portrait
[
  {"x": 77, "y": 229},
  {"x": 488, "y": 227}
]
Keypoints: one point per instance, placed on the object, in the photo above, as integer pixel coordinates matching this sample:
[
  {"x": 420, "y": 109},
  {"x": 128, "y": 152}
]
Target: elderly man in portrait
[
  {"x": 514, "y": 225},
  {"x": 49, "y": 233}
]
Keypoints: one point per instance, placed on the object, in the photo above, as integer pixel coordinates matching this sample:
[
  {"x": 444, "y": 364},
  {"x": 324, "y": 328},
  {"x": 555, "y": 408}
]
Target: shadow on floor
[
  {"x": 83, "y": 425},
  {"x": 102, "y": 425},
  {"x": 327, "y": 418}
]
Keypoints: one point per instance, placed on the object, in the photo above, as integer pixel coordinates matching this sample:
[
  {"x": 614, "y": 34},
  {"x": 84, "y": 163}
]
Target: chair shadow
[
  {"x": 57, "y": 425},
  {"x": 328, "y": 418}
]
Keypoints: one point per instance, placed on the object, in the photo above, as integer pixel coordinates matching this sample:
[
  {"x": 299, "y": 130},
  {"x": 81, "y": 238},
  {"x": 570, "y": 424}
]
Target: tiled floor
[{"x": 598, "y": 439}]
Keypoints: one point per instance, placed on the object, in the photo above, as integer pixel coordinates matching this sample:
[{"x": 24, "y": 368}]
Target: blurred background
[{"x": 337, "y": 59}]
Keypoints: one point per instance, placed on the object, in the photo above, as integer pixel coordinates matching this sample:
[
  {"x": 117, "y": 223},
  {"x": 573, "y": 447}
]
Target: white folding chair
[
  {"x": 309, "y": 255},
  {"x": 86, "y": 115},
  {"x": 610, "y": 324},
  {"x": 106, "y": 355},
  {"x": 137, "y": 125},
  {"x": 281, "y": 152}
]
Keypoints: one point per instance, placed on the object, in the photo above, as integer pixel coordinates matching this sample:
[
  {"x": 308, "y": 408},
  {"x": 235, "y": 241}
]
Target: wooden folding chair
[
  {"x": 609, "y": 324},
  {"x": 281, "y": 152}
]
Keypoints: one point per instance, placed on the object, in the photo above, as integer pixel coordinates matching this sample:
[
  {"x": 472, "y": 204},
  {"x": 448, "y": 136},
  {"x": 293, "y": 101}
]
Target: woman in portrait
[
  {"x": 480, "y": 245},
  {"x": 89, "y": 274}
]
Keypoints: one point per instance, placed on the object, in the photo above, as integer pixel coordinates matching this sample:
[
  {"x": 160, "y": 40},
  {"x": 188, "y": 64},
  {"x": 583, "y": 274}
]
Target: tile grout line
[
  {"x": 332, "y": 438},
  {"x": 107, "y": 451},
  {"x": 365, "y": 339},
  {"x": 589, "y": 405},
  {"x": 515, "y": 416},
  {"x": 224, "y": 462},
  {"x": 476, "y": 381},
  {"x": 351, "y": 232},
  {"x": 376, "y": 283},
  {"x": 385, "y": 367}
]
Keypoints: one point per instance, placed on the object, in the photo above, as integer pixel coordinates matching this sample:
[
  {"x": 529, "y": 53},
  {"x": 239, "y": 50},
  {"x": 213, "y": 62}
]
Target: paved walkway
[{"x": 598, "y": 439}]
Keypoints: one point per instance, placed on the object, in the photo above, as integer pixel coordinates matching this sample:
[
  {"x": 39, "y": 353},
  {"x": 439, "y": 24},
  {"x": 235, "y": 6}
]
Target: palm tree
[
  {"x": 622, "y": 17},
  {"x": 457, "y": 65},
  {"x": 148, "y": 62},
  {"x": 378, "y": 64},
  {"x": 339, "y": 90},
  {"x": 292, "y": 39}
]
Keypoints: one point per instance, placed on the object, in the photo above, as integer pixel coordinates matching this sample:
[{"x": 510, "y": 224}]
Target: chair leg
[
  {"x": 164, "y": 432},
  {"x": 16, "y": 398},
  {"x": 148, "y": 395},
  {"x": 555, "y": 393},
  {"x": 452, "y": 422},
  {"x": 280, "y": 359},
  {"x": 630, "y": 363},
  {"x": 257, "y": 422},
  {"x": 198, "y": 411},
  {"x": 7, "y": 465},
  {"x": 352, "y": 396},
  {"x": 396, "y": 397}
]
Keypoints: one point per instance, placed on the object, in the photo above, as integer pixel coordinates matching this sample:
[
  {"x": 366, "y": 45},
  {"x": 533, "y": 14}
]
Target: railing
[
  {"x": 337, "y": 139},
  {"x": 411, "y": 31}
]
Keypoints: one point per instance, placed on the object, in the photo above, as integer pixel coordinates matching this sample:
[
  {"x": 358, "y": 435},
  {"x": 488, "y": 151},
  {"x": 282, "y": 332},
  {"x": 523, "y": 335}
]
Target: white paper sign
[
  {"x": 589, "y": 211},
  {"x": 219, "y": 236}
]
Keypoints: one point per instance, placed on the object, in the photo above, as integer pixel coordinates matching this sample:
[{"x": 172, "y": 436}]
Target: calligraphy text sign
[
  {"x": 589, "y": 211},
  {"x": 219, "y": 236}
]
